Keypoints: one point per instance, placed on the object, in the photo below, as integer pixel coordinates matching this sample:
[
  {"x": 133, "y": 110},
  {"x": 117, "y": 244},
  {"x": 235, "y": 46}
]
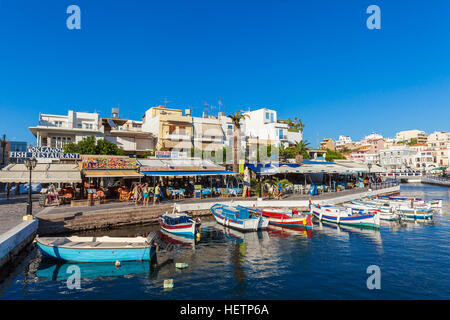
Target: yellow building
[{"x": 173, "y": 129}]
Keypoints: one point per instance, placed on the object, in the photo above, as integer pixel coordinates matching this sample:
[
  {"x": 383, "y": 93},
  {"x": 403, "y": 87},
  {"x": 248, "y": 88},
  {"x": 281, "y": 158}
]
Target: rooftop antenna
[
  {"x": 205, "y": 108},
  {"x": 165, "y": 101},
  {"x": 220, "y": 104}
]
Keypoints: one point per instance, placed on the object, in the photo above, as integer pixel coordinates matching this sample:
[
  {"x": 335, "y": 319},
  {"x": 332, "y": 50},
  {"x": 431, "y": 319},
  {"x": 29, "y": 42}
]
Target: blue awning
[{"x": 187, "y": 173}]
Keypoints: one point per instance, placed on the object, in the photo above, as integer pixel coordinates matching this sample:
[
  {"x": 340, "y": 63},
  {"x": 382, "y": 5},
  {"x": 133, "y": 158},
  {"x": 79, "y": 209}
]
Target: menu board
[{"x": 109, "y": 163}]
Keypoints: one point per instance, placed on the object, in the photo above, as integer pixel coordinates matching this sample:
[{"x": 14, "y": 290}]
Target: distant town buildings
[{"x": 410, "y": 150}]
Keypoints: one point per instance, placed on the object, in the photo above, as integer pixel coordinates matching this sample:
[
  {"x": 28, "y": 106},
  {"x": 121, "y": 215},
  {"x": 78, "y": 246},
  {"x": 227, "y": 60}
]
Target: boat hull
[
  {"x": 96, "y": 255},
  {"x": 183, "y": 230},
  {"x": 254, "y": 224},
  {"x": 363, "y": 220}
]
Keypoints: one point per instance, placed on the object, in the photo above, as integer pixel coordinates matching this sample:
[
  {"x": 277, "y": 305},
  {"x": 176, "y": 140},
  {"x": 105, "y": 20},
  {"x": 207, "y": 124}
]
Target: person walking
[
  {"x": 157, "y": 194},
  {"x": 145, "y": 194}
]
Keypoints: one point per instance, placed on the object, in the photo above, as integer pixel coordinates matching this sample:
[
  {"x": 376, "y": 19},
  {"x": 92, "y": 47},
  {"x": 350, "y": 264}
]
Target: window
[
  {"x": 80, "y": 125},
  {"x": 281, "y": 133},
  {"x": 271, "y": 117},
  {"x": 172, "y": 129},
  {"x": 182, "y": 130}
]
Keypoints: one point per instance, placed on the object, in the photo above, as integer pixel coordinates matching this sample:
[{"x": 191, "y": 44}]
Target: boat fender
[{"x": 117, "y": 264}]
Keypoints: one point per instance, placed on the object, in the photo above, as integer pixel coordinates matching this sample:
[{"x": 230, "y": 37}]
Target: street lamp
[{"x": 30, "y": 164}]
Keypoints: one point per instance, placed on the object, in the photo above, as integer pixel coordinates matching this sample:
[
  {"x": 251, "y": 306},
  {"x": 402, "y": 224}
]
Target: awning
[
  {"x": 187, "y": 173},
  {"x": 112, "y": 174},
  {"x": 42, "y": 173}
]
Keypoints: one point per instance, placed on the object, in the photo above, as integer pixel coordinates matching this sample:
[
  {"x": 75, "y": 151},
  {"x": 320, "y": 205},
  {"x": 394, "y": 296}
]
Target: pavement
[{"x": 13, "y": 209}]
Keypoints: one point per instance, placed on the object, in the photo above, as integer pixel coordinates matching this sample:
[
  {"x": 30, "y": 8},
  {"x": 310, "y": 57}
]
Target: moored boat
[
  {"x": 286, "y": 218},
  {"x": 239, "y": 217},
  {"x": 346, "y": 216},
  {"x": 179, "y": 224},
  {"x": 408, "y": 200},
  {"x": 96, "y": 249},
  {"x": 404, "y": 210},
  {"x": 386, "y": 213}
]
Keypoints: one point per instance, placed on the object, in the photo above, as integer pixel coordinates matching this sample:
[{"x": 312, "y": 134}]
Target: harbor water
[{"x": 328, "y": 262}]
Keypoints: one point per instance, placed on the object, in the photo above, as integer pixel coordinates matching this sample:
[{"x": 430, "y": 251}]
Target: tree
[
  {"x": 301, "y": 148},
  {"x": 91, "y": 146},
  {"x": 332, "y": 155},
  {"x": 236, "y": 120}
]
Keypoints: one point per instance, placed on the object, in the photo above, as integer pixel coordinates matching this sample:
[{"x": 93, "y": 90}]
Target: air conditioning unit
[
  {"x": 115, "y": 112},
  {"x": 188, "y": 112}
]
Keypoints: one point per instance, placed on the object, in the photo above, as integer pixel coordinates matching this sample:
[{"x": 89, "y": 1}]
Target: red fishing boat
[{"x": 286, "y": 218}]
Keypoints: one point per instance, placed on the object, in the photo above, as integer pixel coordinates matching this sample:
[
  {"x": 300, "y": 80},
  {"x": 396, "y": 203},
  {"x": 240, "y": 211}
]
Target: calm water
[{"x": 327, "y": 263}]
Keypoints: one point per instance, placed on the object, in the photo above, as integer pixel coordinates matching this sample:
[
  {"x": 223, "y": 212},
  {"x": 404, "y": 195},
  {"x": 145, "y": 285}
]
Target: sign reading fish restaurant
[{"x": 44, "y": 152}]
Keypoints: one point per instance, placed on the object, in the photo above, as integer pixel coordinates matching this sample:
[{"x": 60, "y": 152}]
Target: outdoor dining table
[{"x": 177, "y": 192}]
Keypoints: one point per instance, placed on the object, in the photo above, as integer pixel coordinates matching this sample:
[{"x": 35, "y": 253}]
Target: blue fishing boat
[
  {"x": 239, "y": 217},
  {"x": 97, "y": 249},
  {"x": 180, "y": 224}
]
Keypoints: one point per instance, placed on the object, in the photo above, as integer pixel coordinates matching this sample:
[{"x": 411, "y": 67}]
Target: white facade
[
  {"x": 263, "y": 124},
  {"x": 57, "y": 130},
  {"x": 343, "y": 140},
  {"x": 407, "y": 135},
  {"x": 396, "y": 158}
]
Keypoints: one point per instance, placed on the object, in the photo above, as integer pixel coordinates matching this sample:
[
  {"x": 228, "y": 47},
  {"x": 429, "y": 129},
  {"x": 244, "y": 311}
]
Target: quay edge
[
  {"x": 13, "y": 241},
  {"x": 102, "y": 219}
]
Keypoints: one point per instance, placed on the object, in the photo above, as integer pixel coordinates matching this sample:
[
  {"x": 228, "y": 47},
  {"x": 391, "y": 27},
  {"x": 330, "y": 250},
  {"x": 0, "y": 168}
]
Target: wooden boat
[
  {"x": 179, "y": 223},
  {"x": 238, "y": 217},
  {"x": 97, "y": 249},
  {"x": 408, "y": 200},
  {"x": 286, "y": 218},
  {"x": 346, "y": 216},
  {"x": 386, "y": 213},
  {"x": 405, "y": 211}
]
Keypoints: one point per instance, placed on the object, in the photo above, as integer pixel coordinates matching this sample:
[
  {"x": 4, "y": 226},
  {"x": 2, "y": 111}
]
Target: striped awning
[
  {"x": 112, "y": 174},
  {"x": 187, "y": 173},
  {"x": 42, "y": 173}
]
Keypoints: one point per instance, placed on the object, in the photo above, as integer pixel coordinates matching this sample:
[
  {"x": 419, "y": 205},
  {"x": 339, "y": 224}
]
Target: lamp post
[
  {"x": 369, "y": 165},
  {"x": 30, "y": 164},
  {"x": 3, "y": 144}
]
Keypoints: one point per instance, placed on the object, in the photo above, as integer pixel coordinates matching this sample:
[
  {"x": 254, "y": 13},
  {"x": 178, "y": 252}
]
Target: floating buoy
[
  {"x": 168, "y": 283},
  {"x": 198, "y": 235},
  {"x": 181, "y": 265},
  {"x": 117, "y": 263}
]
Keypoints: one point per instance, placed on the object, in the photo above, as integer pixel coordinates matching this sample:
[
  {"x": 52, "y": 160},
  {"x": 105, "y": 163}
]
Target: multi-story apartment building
[
  {"x": 407, "y": 135},
  {"x": 127, "y": 134},
  {"x": 439, "y": 139},
  {"x": 397, "y": 158},
  {"x": 57, "y": 130},
  {"x": 327, "y": 143},
  {"x": 208, "y": 133},
  {"x": 173, "y": 129},
  {"x": 262, "y": 126},
  {"x": 343, "y": 140}
]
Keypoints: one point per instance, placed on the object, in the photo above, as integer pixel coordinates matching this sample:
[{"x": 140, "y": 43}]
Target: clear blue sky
[{"x": 312, "y": 59}]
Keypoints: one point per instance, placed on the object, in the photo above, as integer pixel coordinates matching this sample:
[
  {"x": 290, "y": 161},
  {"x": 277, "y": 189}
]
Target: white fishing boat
[
  {"x": 405, "y": 211},
  {"x": 346, "y": 216},
  {"x": 386, "y": 212}
]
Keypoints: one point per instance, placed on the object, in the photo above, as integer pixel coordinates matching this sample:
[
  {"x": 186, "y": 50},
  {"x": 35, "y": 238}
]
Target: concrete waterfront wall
[
  {"x": 435, "y": 182},
  {"x": 286, "y": 203},
  {"x": 15, "y": 239}
]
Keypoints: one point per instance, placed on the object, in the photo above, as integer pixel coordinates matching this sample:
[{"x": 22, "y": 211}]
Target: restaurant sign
[
  {"x": 170, "y": 154},
  {"x": 44, "y": 152},
  {"x": 109, "y": 163}
]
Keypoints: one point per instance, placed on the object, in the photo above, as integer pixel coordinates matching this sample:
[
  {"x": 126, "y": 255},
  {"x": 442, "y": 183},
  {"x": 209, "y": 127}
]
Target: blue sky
[{"x": 312, "y": 59}]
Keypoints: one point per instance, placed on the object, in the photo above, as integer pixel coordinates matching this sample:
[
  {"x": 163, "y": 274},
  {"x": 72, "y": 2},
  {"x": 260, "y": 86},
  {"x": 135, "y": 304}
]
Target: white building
[
  {"x": 439, "y": 139},
  {"x": 57, "y": 130},
  {"x": 263, "y": 127},
  {"x": 343, "y": 140},
  {"x": 397, "y": 158}
]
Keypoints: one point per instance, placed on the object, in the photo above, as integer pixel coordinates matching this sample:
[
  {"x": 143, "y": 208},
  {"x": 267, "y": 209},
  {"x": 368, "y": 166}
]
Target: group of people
[{"x": 142, "y": 192}]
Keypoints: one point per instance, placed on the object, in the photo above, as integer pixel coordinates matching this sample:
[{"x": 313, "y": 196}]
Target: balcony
[
  {"x": 209, "y": 138},
  {"x": 177, "y": 137}
]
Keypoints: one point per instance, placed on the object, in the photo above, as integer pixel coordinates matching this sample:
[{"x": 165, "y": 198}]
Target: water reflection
[{"x": 343, "y": 232}]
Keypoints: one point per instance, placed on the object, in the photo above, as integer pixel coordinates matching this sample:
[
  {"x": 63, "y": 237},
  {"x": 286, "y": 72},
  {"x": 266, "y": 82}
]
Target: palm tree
[
  {"x": 236, "y": 120},
  {"x": 301, "y": 149},
  {"x": 299, "y": 124}
]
